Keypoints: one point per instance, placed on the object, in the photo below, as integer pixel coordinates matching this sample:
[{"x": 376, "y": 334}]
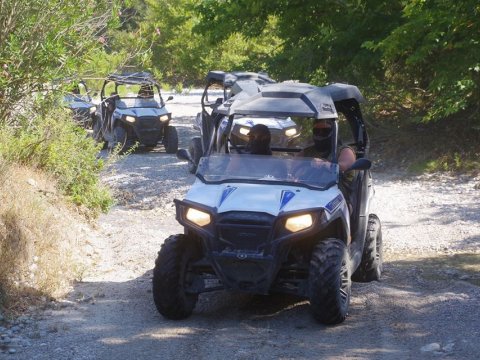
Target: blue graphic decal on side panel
[
  {"x": 250, "y": 122},
  {"x": 223, "y": 124},
  {"x": 334, "y": 204},
  {"x": 287, "y": 195},
  {"x": 226, "y": 193}
]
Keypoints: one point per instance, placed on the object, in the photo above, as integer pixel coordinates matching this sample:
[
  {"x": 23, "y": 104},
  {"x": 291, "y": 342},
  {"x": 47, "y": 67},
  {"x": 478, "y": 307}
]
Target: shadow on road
[{"x": 391, "y": 319}]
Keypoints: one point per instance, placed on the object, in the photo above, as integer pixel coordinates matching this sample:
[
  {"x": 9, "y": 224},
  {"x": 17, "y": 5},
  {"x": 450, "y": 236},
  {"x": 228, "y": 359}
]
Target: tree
[
  {"x": 437, "y": 50},
  {"x": 422, "y": 54},
  {"x": 45, "y": 40},
  {"x": 321, "y": 41}
]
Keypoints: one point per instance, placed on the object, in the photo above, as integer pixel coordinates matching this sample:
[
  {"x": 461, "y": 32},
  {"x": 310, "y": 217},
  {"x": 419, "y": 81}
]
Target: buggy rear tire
[
  {"x": 370, "y": 268},
  {"x": 329, "y": 283},
  {"x": 170, "y": 276},
  {"x": 196, "y": 152},
  {"x": 171, "y": 140}
]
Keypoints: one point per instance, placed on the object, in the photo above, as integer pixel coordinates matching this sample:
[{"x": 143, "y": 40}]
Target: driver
[
  {"x": 321, "y": 150},
  {"x": 322, "y": 140},
  {"x": 145, "y": 92}
]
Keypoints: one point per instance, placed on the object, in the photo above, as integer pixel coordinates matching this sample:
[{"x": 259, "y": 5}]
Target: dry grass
[{"x": 38, "y": 239}]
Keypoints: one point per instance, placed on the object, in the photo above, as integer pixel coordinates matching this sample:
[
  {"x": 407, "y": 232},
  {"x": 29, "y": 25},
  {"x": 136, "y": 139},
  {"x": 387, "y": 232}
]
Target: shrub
[
  {"x": 52, "y": 142},
  {"x": 38, "y": 244}
]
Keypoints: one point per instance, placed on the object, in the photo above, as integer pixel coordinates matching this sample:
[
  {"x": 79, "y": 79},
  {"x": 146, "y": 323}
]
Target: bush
[
  {"x": 38, "y": 241},
  {"x": 52, "y": 142}
]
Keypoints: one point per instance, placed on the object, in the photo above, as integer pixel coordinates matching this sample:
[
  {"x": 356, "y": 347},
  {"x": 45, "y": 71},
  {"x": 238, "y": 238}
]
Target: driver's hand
[{"x": 317, "y": 163}]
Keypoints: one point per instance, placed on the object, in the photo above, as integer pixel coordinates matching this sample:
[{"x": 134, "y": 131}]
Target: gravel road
[{"x": 426, "y": 306}]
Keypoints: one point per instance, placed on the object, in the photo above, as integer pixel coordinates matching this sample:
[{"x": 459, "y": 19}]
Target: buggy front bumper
[
  {"x": 246, "y": 250},
  {"x": 147, "y": 130}
]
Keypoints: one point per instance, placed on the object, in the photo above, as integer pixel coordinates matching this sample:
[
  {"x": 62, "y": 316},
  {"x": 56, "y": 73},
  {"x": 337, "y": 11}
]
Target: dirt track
[{"x": 421, "y": 309}]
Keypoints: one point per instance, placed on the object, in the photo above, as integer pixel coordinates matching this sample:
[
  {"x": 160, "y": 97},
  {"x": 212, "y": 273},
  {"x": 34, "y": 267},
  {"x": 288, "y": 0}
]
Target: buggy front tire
[
  {"x": 370, "y": 268},
  {"x": 329, "y": 283},
  {"x": 97, "y": 133},
  {"x": 171, "y": 140},
  {"x": 171, "y": 276},
  {"x": 119, "y": 139},
  {"x": 196, "y": 151}
]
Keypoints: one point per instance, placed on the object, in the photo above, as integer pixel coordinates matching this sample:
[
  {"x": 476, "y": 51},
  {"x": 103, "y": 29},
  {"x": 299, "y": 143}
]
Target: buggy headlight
[
  {"x": 300, "y": 222},
  {"x": 244, "y": 130},
  {"x": 93, "y": 109},
  {"x": 198, "y": 217},
  {"x": 290, "y": 132},
  {"x": 164, "y": 118},
  {"x": 130, "y": 119}
]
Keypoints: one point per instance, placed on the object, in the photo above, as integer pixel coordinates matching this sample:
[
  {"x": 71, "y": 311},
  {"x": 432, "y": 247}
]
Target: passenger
[
  {"x": 258, "y": 144},
  {"x": 259, "y": 140}
]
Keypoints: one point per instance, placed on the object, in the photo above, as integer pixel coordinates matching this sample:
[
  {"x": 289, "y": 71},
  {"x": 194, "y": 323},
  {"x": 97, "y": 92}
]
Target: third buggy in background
[{"x": 132, "y": 110}]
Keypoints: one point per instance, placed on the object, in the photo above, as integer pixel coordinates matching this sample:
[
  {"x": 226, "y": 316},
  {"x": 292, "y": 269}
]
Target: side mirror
[
  {"x": 361, "y": 164},
  {"x": 183, "y": 154},
  {"x": 170, "y": 98}
]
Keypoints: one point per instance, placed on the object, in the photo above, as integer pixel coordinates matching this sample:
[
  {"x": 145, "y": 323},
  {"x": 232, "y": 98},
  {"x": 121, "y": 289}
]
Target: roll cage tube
[
  {"x": 204, "y": 100},
  {"x": 351, "y": 110},
  {"x": 226, "y": 136},
  {"x": 153, "y": 84},
  {"x": 334, "y": 141}
]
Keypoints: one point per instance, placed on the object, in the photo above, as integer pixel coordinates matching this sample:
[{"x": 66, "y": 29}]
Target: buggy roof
[
  {"x": 339, "y": 92},
  {"x": 293, "y": 99},
  {"x": 227, "y": 79},
  {"x": 133, "y": 78}
]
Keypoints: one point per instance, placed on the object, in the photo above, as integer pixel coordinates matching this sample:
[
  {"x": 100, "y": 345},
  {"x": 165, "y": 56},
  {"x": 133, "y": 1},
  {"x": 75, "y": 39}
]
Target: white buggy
[{"x": 280, "y": 223}]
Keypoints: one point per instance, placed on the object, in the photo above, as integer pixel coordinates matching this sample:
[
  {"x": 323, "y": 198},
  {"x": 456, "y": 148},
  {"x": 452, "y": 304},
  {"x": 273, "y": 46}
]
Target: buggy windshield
[
  {"x": 297, "y": 171},
  {"x": 139, "y": 102},
  {"x": 69, "y": 98}
]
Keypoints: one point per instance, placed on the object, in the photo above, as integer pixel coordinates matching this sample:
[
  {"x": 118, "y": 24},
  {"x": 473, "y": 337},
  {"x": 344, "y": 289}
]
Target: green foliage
[
  {"x": 452, "y": 162},
  {"x": 319, "y": 40},
  {"x": 182, "y": 55},
  {"x": 52, "y": 142},
  {"x": 417, "y": 59},
  {"x": 45, "y": 40},
  {"x": 437, "y": 49}
]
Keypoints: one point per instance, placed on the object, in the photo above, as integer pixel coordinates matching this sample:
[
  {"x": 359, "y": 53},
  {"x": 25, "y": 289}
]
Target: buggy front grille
[
  {"x": 244, "y": 231},
  {"x": 148, "y": 123}
]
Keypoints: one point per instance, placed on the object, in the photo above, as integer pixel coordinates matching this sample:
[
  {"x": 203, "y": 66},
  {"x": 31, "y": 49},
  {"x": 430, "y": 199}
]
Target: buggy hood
[{"x": 271, "y": 199}]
